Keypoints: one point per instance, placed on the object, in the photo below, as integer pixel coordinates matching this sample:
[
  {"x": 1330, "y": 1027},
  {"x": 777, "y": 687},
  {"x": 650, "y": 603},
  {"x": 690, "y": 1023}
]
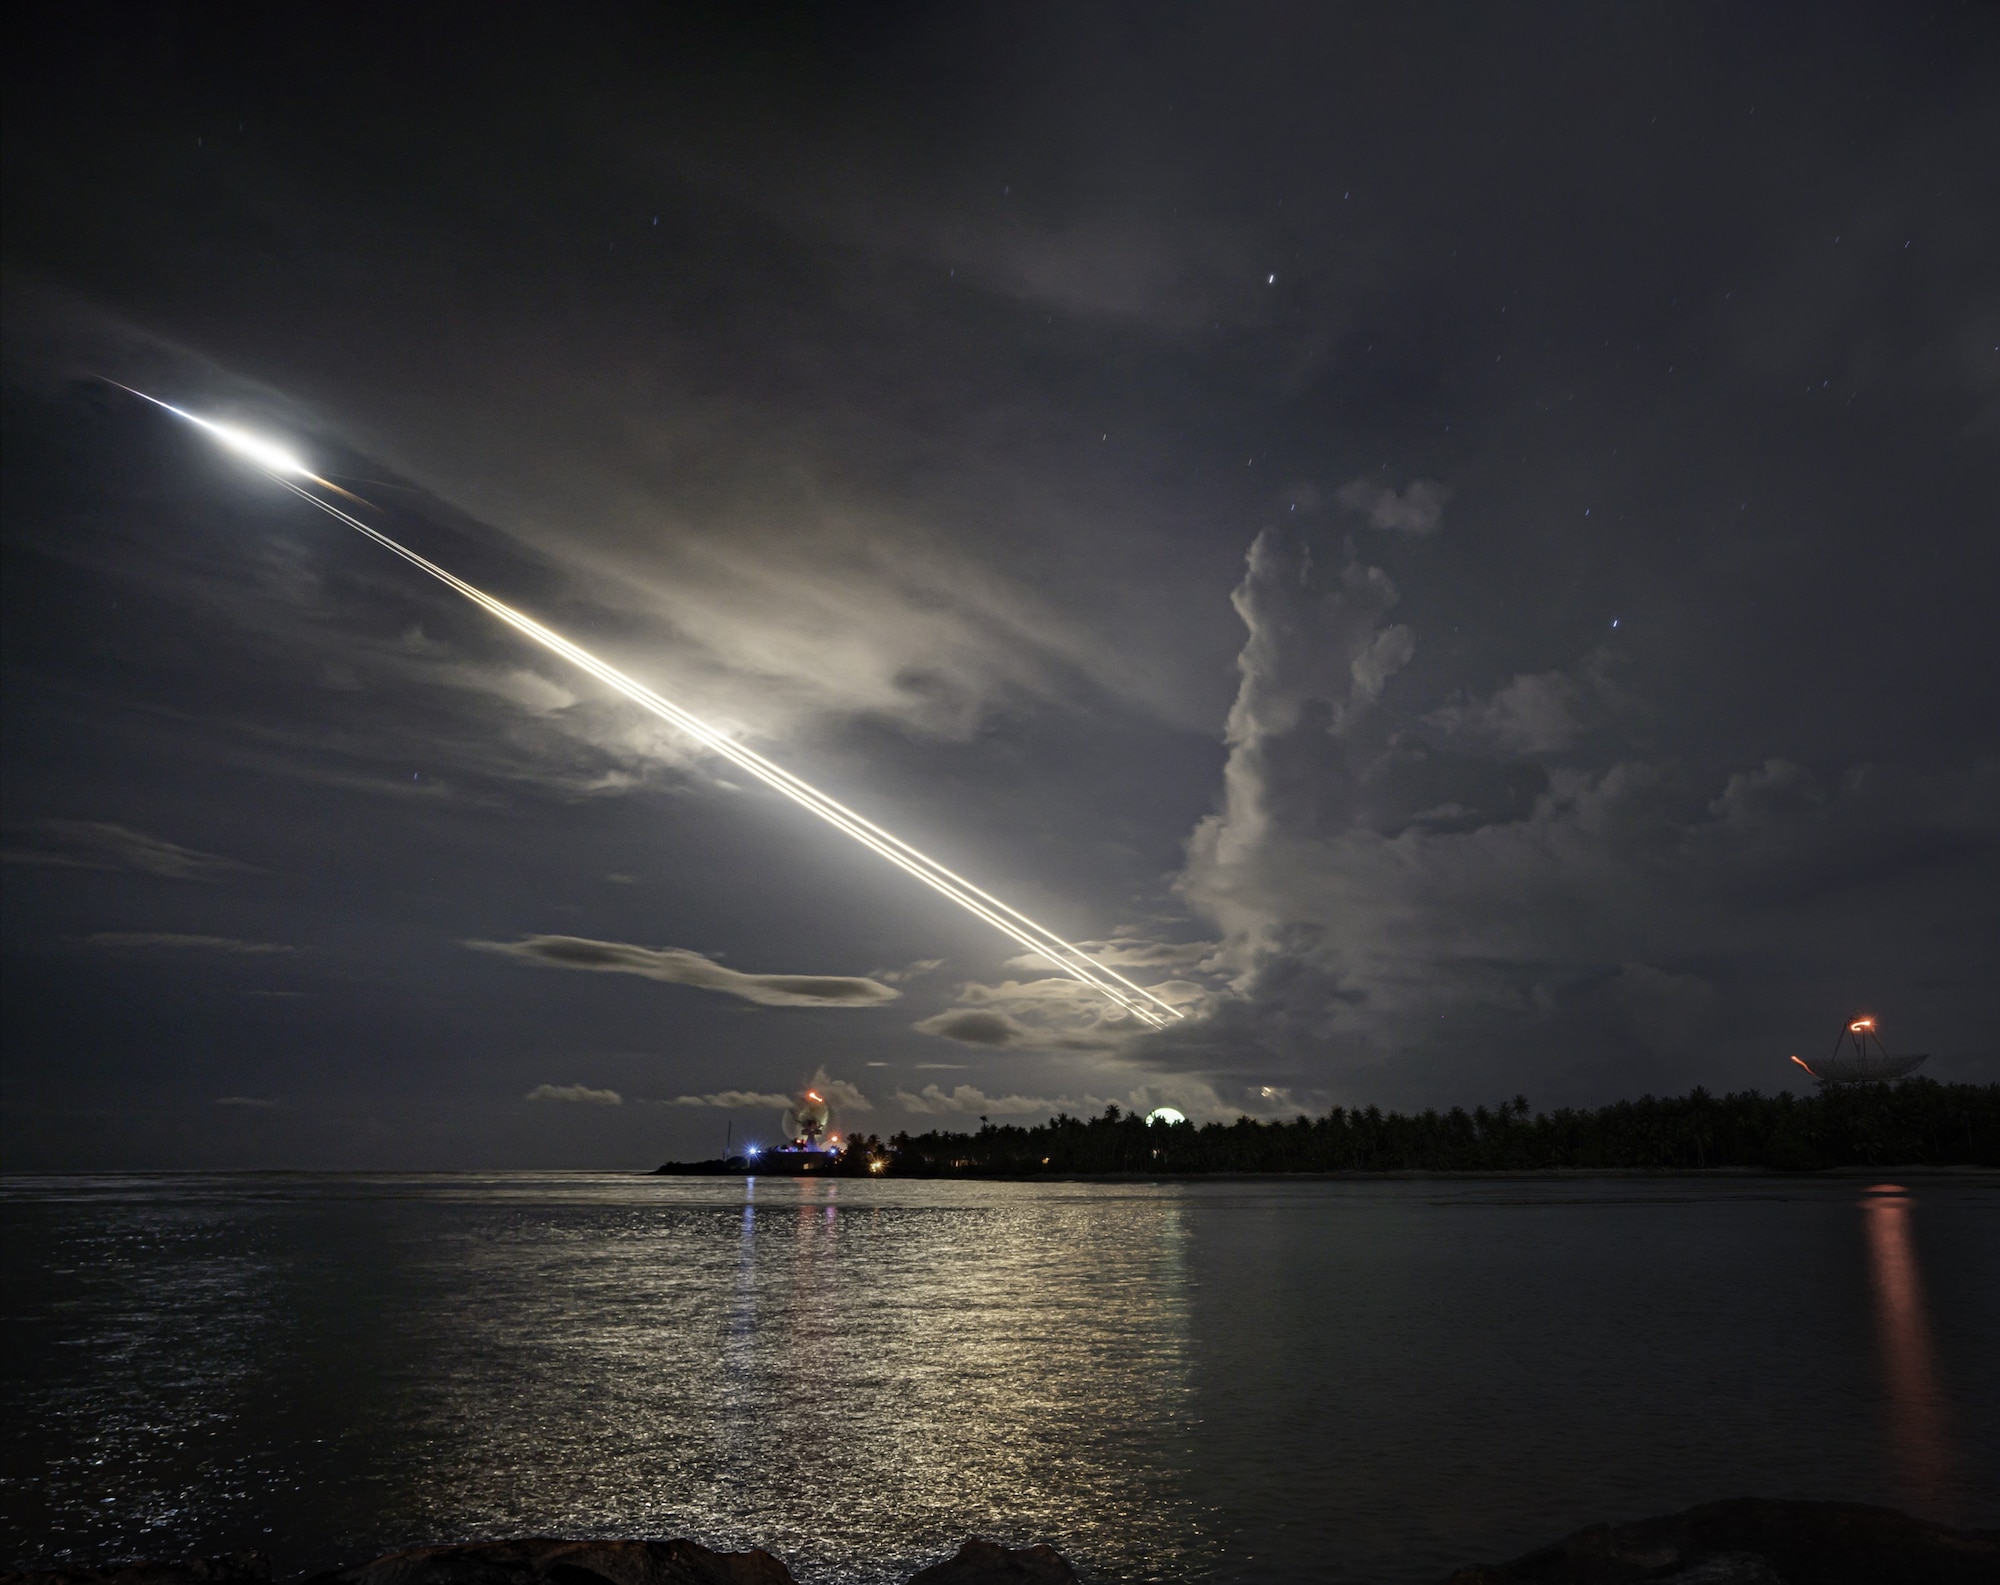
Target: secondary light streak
[{"x": 285, "y": 469}]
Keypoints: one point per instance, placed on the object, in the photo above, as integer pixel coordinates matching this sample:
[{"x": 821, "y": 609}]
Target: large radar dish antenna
[{"x": 1860, "y": 1057}]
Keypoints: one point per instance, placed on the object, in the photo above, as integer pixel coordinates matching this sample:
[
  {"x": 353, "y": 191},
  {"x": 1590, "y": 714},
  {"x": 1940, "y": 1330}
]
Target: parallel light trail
[{"x": 282, "y": 468}]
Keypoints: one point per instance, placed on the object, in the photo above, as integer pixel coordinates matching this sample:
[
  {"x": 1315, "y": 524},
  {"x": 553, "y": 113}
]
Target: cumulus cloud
[
  {"x": 839, "y": 1092},
  {"x": 1320, "y": 643},
  {"x": 1418, "y": 509},
  {"x": 1378, "y": 898},
  {"x": 99, "y": 845},
  {"x": 1535, "y": 713},
  {"x": 576, "y": 1094},
  {"x": 677, "y": 966},
  {"x": 167, "y": 939}
]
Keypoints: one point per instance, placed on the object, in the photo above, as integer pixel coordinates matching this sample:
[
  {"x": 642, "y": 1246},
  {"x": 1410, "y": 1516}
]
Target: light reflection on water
[
  {"x": 1918, "y": 1440},
  {"x": 834, "y": 1372},
  {"x": 1356, "y": 1381}
]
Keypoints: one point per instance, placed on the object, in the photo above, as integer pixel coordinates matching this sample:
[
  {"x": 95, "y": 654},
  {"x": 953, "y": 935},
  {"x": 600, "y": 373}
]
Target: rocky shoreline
[
  {"x": 1746, "y": 1541},
  {"x": 1753, "y": 1541}
]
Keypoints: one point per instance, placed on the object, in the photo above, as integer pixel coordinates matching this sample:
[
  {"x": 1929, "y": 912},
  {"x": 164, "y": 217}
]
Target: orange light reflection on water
[{"x": 1919, "y": 1444}]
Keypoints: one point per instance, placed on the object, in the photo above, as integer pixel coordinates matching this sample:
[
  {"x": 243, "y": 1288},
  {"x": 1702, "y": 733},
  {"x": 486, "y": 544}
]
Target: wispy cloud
[
  {"x": 576, "y": 1094},
  {"x": 1128, "y": 950},
  {"x": 965, "y": 1100},
  {"x": 1419, "y": 509},
  {"x": 731, "y": 1100},
  {"x": 178, "y": 942},
  {"x": 1050, "y": 1014},
  {"x": 678, "y": 966},
  {"x": 910, "y": 971},
  {"x": 98, "y": 845},
  {"x": 252, "y": 1103}
]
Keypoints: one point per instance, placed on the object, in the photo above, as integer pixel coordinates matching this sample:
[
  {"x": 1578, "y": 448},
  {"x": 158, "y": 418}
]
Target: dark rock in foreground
[
  {"x": 543, "y": 1561},
  {"x": 989, "y": 1563},
  {"x": 237, "y": 1568},
  {"x": 1745, "y": 1542},
  {"x": 1754, "y": 1542}
]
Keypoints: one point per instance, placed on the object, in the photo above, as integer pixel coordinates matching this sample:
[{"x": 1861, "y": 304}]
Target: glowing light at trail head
[
  {"x": 266, "y": 454},
  {"x": 285, "y": 469}
]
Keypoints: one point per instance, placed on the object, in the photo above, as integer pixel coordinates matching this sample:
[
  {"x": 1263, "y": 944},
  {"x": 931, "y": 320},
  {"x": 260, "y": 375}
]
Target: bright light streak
[
  {"x": 279, "y": 465},
  {"x": 266, "y": 454}
]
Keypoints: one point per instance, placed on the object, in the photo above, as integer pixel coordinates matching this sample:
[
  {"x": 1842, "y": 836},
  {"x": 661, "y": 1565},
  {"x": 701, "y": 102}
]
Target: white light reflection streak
[{"x": 280, "y": 466}]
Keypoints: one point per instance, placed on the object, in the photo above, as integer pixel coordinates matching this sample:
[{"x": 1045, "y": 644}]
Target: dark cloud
[
  {"x": 976, "y": 1027},
  {"x": 996, "y": 1026},
  {"x": 678, "y": 966}
]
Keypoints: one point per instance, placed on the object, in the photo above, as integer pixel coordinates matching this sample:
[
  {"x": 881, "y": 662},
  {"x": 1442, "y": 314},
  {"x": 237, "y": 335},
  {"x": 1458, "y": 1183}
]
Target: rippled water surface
[{"x": 1369, "y": 1381}]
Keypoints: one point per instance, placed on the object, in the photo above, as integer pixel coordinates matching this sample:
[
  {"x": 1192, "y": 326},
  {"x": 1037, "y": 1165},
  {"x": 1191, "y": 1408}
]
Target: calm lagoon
[{"x": 1207, "y": 1381}]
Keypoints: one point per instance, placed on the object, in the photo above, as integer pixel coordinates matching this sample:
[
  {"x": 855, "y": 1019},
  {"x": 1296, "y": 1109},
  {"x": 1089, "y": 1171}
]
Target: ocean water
[{"x": 1335, "y": 1380}]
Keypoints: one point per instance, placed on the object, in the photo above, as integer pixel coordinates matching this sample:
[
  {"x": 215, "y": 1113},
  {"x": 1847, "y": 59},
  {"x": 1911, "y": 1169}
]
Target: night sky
[{"x": 1457, "y": 542}]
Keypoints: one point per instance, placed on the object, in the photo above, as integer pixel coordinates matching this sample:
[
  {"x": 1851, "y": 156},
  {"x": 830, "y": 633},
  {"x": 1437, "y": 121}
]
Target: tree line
[{"x": 1917, "y": 1122}]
